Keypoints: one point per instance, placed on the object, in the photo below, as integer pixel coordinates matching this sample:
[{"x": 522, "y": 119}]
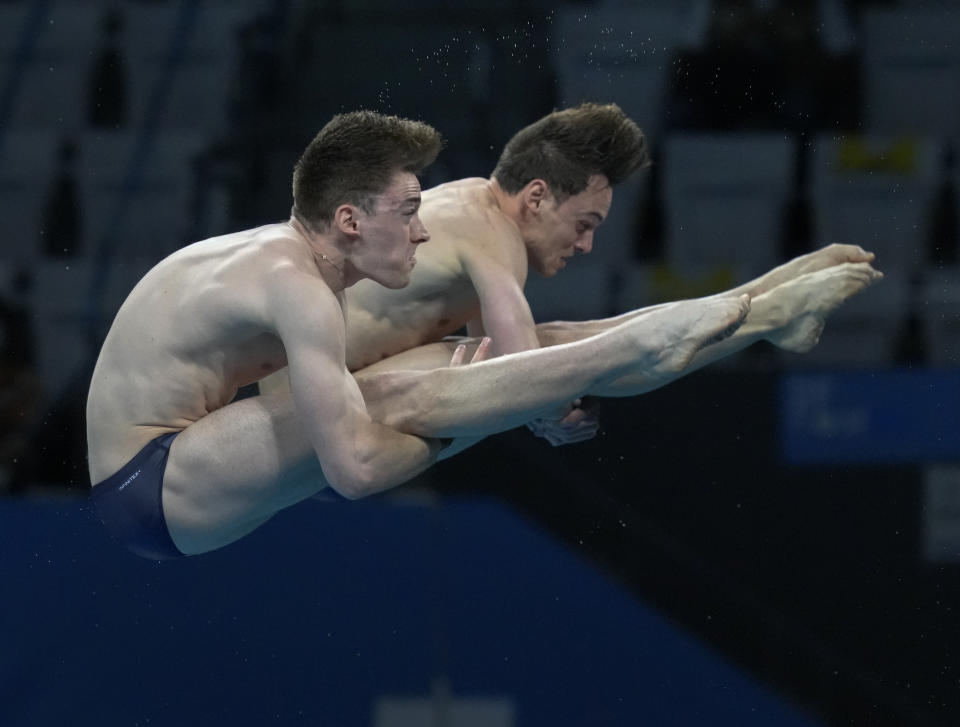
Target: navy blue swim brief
[{"x": 130, "y": 506}]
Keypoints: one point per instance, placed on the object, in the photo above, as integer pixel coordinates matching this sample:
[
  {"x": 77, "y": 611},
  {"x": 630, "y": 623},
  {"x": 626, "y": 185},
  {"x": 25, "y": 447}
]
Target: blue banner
[{"x": 870, "y": 417}]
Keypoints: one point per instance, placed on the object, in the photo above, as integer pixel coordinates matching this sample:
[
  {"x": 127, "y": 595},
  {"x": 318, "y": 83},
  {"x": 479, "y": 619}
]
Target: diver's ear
[
  {"x": 346, "y": 220},
  {"x": 534, "y": 193}
]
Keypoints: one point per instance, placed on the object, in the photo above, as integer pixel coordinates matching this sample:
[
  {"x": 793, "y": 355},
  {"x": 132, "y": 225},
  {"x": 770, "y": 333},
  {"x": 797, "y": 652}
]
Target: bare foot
[
  {"x": 810, "y": 298},
  {"x": 821, "y": 259},
  {"x": 689, "y": 326}
]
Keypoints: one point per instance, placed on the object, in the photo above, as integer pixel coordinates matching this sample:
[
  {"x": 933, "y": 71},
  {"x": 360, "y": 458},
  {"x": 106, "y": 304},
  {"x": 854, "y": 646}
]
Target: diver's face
[
  {"x": 386, "y": 249},
  {"x": 565, "y": 229}
]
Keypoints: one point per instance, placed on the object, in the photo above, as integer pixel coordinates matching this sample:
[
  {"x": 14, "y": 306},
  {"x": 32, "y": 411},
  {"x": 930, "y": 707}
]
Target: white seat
[
  {"x": 195, "y": 99},
  {"x": 646, "y": 285},
  {"x": 7, "y": 271},
  {"x": 636, "y": 287},
  {"x": 56, "y": 75},
  {"x": 643, "y": 285},
  {"x": 52, "y": 95},
  {"x": 201, "y": 84},
  {"x": 149, "y": 29},
  {"x": 621, "y": 53},
  {"x": 154, "y": 222},
  {"x": 912, "y": 71},
  {"x": 13, "y": 17},
  {"x": 862, "y": 332},
  {"x": 59, "y": 310},
  {"x": 581, "y": 291},
  {"x": 69, "y": 301},
  {"x": 876, "y": 192},
  {"x": 615, "y": 241},
  {"x": 417, "y": 84},
  {"x": 71, "y": 29},
  {"x": 723, "y": 197},
  {"x": 119, "y": 278},
  {"x": 940, "y": 312},
  {"x": 28, "y": 161}
]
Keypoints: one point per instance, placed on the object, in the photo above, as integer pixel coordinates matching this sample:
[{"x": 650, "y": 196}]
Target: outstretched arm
[
  {"x": 506, "y": 318},
  {"x": 505, "y": 315},
  {"x": 358, "y": 456}
]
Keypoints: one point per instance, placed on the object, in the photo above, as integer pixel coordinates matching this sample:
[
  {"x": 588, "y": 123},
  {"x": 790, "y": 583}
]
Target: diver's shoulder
[
  {"x": 454, "y": 186},
  {"x": 463, "y": 202},
  {"x": 260, "y": 248}
]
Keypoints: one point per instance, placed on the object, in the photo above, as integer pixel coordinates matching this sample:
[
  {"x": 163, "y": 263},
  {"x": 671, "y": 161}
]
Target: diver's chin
[
  {"x": 396, "y": 282},
  {"x": 542, "y": 270}
]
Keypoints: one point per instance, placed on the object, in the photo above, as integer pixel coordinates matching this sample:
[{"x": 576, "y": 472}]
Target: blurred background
[{"x": 773, "y": 540}]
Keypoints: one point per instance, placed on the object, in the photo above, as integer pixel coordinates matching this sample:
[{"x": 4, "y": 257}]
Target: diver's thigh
[{"x": 234, "y": 469}]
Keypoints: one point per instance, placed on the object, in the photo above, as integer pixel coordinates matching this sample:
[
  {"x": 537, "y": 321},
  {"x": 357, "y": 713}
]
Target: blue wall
[{"x": 311, "y": 618}]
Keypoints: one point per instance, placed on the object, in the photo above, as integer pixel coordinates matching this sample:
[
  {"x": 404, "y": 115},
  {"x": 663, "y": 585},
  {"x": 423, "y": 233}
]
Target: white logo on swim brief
[{"x": 130, "y": 479}]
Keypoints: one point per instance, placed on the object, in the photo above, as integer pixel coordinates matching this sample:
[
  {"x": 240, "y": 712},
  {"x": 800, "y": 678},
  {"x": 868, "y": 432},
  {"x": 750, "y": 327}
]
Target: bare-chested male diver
[
  {"x": 181, "y": 468},
  {"x": 551, "y": 189}
]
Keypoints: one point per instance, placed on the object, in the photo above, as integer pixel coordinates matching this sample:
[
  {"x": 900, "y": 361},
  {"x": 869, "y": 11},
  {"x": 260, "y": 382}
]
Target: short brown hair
[
  {"x": 567, "y": 147},
  {"x": 353, "y": 159}
]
